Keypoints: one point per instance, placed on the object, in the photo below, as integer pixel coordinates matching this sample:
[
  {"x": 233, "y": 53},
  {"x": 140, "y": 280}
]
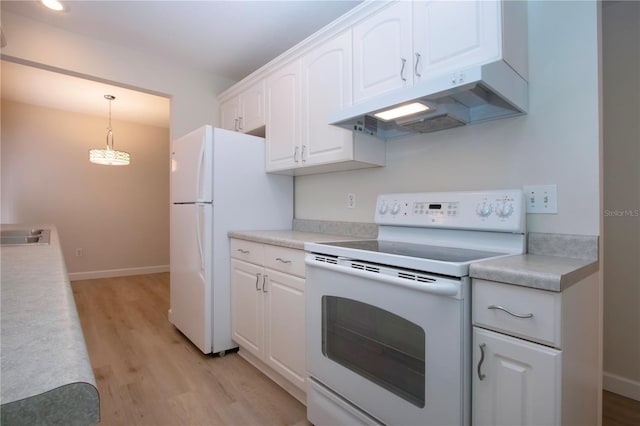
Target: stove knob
[
  {"x": 384, "y": 207},
  {"x": 395, "y": 209},
  {"x": 484, "y": 209},
  {"x": 504, "y": 209}
]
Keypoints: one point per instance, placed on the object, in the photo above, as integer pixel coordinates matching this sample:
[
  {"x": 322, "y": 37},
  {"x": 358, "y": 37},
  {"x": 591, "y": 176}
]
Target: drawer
[
  {"x": 492, "y": 300},
  {"x": 287, "y": 260},
  {"x": 248, "y": 251}
]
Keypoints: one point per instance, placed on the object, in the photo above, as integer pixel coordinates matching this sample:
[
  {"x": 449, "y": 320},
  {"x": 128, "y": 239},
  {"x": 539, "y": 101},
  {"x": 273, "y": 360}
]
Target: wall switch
[
  {"x": 351, "y": 200},
  {"x": 541, "y": 198},
  {"x": 79, "y": 252}
]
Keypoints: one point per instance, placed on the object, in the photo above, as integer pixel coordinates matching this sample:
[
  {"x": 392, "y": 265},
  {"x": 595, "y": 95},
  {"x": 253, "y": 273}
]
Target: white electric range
[{"x": 388, "y": 320}]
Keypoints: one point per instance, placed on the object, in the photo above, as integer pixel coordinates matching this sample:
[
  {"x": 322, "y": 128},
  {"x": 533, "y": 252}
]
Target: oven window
[{"x": 376, "y": 344}]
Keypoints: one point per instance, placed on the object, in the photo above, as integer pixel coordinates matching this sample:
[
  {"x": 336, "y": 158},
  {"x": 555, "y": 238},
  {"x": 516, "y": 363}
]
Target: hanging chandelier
[{"x": 109, "y": 156}]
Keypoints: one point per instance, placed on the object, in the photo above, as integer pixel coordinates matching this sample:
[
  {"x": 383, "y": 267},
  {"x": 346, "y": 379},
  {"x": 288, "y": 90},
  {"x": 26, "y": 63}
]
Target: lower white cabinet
[
  {"x": 516, "y": 382},
  {"x": 267, "y": 311},
  {"x": 535, "y": 354}
]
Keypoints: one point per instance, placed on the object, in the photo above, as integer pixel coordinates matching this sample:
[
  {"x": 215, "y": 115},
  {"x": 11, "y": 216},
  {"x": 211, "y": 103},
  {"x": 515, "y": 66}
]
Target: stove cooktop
[
  {"x": 439, "y": 260},
  {"x": 439, "y": 232},
  {"x": 421, "y": 251}
]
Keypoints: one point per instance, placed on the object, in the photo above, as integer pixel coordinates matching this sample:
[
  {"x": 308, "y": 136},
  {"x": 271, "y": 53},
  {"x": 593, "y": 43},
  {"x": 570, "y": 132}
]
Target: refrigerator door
[
  {"x": 191, "y": 167},
  {"x": 191, "y": 272}
]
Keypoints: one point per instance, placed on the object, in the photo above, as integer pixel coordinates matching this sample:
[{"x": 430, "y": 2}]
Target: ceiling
[{"x": 227, "y": 38}]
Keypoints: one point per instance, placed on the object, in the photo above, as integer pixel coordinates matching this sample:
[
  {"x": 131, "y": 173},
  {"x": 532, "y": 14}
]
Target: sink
[{"x": 33, "y": 236}]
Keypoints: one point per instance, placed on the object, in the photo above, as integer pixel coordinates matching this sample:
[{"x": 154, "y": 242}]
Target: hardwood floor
[
  {"x": 149, "y": 374},
  {"x": 619, "y": 411}
]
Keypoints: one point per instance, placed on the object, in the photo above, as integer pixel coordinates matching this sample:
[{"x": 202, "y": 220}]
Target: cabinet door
[
  {"x": 474, "y": 37},
  {"x": 326, "y": 88},
  {"x": 285, "y": 349},
  {"x": 381, "y": 45},
  {"x": 229, "y": 112},
  {"x": 521, "y": 383},
  {"x": 247, "y": 308},
  {"x": 283, "y": 118},
  {"x": 252, "y": 108}
]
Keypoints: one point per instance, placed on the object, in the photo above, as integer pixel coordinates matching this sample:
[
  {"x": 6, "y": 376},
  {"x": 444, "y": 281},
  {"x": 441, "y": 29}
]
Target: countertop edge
[
  {"x": 541, "y": 272},
  {"x": 286, "y": 238},
  {"x": 46, "y": 369},
  {"x": 73, "y": 403}
]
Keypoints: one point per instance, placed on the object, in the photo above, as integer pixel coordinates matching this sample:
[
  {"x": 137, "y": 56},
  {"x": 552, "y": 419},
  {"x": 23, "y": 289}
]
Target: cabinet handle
[
  {"x": 243, "y": 251},
  {"x": 404, "y": 62},
  {"x": 257, "y": 281},
  {"x": 295, "y": 154},
  {"x": 502, "y": 308},
  {"x": 480, "y": 375},
  {"x": 264, "y": 283},
  {"x": 302, "y": 157},
  {"x": 279, "y": 259},
  {"x": 235, "y": 124},
  {"x": 416, "y": 67},
  {"x": 240, "y": 123}
]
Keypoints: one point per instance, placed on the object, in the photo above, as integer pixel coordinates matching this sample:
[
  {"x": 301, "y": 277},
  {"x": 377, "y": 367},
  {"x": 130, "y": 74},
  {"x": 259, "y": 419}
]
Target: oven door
[{"x": 395, "y": 348}]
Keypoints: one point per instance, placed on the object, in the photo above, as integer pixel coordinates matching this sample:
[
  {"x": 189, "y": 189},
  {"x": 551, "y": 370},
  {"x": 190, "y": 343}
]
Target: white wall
[
  {"x": 118, "y": 216},
  {"x": 621, "y": 73},
  {"x": 557, "y": 142},
  {"x": 192, "y": 92}
]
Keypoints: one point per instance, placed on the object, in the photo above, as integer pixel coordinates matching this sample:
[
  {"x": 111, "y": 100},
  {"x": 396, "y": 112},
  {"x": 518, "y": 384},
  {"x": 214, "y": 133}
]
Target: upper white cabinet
[
  {"x": 448, "y": 35},
  {"x": 245, "y": 112},
  {"x": 326, "y": 86},
  {"x": 300, "y": 97},
  {"x": 408, "y": 42},
  {"x": 382, "y": 52},
  {"x": 283, "y": 118}
]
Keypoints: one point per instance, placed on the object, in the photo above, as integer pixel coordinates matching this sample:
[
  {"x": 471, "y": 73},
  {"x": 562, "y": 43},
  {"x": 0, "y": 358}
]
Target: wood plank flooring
[
  {"x": 618, "y": 410},
  {"x": 148, "y": 373}
]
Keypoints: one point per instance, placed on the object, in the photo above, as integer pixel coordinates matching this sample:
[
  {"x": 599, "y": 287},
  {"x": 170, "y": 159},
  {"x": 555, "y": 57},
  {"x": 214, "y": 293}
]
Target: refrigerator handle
[
  {"x": 199, "y": 171},
  {"x": 199, "y": 235}
]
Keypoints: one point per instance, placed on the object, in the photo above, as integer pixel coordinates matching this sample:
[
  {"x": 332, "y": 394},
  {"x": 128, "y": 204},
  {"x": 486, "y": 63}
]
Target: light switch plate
[{"x": 541, "y": 198}]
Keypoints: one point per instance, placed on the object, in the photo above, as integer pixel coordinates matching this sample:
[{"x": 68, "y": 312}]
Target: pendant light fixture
[{"x": 109, "y": 156}]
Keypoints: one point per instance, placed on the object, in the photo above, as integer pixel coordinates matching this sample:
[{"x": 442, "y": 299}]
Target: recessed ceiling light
[{"x": 53, "y": 5}]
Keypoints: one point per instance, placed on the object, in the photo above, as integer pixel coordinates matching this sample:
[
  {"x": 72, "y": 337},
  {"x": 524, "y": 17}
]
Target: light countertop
[
  {"x": 552, "y": 273},
  {"x": 540, "y": 271},
  {"x": 287, "y": 238},
  {"x": 46, "y": 372}
]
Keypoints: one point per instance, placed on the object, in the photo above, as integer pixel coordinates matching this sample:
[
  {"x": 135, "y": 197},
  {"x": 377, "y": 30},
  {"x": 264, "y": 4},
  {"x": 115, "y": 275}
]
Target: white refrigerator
[{"x": 218, "y": 184}]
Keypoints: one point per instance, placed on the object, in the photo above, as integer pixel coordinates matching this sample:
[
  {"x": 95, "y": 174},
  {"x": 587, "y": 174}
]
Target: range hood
[{"x": 472, "y": 95}]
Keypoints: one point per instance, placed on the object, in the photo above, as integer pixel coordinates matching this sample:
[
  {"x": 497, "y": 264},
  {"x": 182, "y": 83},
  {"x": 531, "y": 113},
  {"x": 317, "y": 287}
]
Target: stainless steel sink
[{"x": 33, "y": 236}]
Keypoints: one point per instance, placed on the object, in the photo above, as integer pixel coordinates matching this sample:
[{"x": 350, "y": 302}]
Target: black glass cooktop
[{"x": 444, "y": 254}]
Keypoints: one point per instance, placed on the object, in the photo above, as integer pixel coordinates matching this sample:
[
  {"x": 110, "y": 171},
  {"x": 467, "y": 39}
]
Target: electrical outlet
[
  {"x": 79, "y": 252},
  {"x": 541, "y": 198},
  {"x": 351, "y": 200}
]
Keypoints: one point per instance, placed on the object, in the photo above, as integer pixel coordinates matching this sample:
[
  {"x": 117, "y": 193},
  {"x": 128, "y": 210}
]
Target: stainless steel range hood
[{"x": 472, "y": 95}]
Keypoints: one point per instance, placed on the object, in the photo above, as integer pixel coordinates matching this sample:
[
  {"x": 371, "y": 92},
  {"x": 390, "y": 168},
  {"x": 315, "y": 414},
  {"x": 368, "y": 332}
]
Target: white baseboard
[
  {"x": 91, "y": 275},
  {"x": 621, "y": 385}
]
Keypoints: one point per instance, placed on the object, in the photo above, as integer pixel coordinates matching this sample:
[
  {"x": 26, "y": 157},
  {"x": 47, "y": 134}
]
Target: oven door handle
[{"x": 440, "y": 288}]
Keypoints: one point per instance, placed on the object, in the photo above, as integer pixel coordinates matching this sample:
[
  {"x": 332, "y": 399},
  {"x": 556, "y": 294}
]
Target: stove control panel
[{"x": 495, "y": 210}]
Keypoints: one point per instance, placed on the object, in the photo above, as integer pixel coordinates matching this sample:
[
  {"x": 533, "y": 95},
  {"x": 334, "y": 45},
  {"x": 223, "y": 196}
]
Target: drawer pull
[
  {"x": 279, "y": 259},
  {"x": 502, "y": 308},
  {"x": 243, "y": 251},
  {"x": 480, "y": 375}
]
